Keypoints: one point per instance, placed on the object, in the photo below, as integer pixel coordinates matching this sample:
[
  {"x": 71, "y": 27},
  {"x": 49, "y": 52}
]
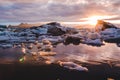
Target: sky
[{"x": 16, "y": 11}]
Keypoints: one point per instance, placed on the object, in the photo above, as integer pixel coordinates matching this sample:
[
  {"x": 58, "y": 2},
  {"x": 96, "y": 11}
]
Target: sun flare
[{"x": 93, "y": 20}]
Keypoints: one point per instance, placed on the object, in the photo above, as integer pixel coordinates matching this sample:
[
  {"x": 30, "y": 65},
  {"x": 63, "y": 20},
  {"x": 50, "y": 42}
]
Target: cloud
[{"x": 55, "y": 10}]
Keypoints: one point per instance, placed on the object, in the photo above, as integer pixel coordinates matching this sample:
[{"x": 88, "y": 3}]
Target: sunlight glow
[{"x": 92, "y": 20}]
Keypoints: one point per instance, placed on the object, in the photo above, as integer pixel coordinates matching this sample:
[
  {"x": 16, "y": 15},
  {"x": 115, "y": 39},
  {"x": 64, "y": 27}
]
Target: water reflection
[
  {"x": 10, "y": 55},
  {"x": 88, "y": 54},
  {"x": 109, "y": 53}
]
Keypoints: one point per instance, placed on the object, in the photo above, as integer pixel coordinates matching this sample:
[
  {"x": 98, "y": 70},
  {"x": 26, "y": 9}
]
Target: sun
[{"x": 93, "y": 19}]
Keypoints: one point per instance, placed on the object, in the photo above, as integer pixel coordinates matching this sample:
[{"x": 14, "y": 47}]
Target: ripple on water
[
  {"x": 109, "y": 53},
  {"x": 88, "y": 54}
]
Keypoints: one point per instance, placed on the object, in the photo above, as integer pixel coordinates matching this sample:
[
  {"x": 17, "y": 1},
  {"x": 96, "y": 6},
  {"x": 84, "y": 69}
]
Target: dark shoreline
[{"x": 56, "y": 72}]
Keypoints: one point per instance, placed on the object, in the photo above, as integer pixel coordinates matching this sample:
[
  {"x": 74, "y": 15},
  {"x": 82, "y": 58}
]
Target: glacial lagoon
[
  {"x": 55, "y": 52},
  {"x": 102, "y": 62}
]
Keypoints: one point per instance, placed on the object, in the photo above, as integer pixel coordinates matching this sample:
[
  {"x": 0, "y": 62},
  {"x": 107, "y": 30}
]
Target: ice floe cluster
[{"x": 55, "y": 33}]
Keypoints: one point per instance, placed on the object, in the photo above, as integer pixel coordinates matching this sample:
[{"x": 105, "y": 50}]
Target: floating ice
[
  {"x": 72, "y": 66},
  {"x": 42, "y": 53}
]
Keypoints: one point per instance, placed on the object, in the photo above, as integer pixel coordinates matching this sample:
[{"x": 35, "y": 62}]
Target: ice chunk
[
  {"x": 23, "y": 50},
  {"x": 42, "y": 53},
  {"x": 72, "y": 66},
  {"x": 33, "y": 53},
  {"x": 7, "y": 46},
  {"x": 4, "y": 38},
  {"x": 94, "y": 42},
  {"x": 108, "y": 31},
  {"x": 47, "y": 47},
  {"x": 93, "y": 35},
  {"x": 46, "y": 42}
]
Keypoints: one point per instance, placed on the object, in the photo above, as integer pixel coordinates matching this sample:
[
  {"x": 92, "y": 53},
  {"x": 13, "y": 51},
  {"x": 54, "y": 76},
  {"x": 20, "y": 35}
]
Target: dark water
[
  {"x": 103, "y": 63},
  {"x": 10, "y": 55},
  {"x": 55, "y": 72}
]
